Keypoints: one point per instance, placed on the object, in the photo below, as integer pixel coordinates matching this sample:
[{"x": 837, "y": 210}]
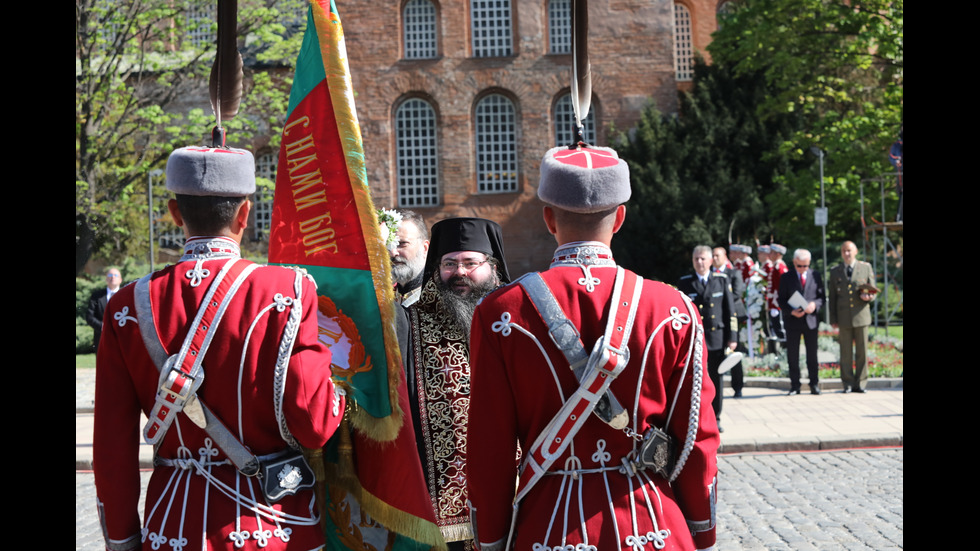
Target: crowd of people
[
  {"x": 724, "y": 289},
  {"x": 578, "y": 406}
]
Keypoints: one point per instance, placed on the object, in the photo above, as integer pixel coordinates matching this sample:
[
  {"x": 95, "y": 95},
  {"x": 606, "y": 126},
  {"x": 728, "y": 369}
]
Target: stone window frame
[
  {"x": 559, "y": 27},
  {"x": 424, "y": 15},
  {"x": 683, "y": 33},
  {"x": 496, "y": 149},
  {"x": 421, "y": 188},
  {"x": 562, "y": 115},
  {"x": 266, "y": 166},
  {"x": 492, "y": 28},
  {"x": 201, "y": 29}
]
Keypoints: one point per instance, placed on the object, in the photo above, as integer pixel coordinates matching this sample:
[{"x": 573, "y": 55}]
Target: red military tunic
[
  {"x": 746, "y": 266},
  {"x": 776, "y": 270},
  {"x": 520, "y": 380},
  {"x": 266, "y": 344}
]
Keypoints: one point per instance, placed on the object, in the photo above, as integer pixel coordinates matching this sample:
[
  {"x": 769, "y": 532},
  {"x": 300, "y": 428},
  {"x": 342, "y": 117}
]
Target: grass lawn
[
  {"x": 896, "y": 331},
  {"x": 85, "y": 360}
]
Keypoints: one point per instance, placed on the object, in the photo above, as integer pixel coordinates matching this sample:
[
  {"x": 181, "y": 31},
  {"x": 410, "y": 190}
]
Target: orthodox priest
[
  {"x": 464, "y": 263},
  {"x": 223, "y": 357},
  {"x": 618, "y": 445}
]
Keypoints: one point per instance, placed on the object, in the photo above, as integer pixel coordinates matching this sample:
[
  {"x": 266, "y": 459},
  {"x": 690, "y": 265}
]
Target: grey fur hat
[
  {"x": 211, "y": 171},
  {"x": 584, "y": 179}
]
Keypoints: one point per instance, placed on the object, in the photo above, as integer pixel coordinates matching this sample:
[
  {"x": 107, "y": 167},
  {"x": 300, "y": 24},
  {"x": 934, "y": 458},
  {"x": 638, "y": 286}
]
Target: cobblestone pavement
[
  {"x": 812, "y": 501},
  {"x": 845, "y": 499}
]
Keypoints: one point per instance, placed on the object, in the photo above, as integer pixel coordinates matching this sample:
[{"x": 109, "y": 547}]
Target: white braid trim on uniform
[
  {"x": 202, "y": 467},
  {"x": 696, "y": 379},
  {"x": 504, "y": 326},
  {"x": 285, "y": 352}
]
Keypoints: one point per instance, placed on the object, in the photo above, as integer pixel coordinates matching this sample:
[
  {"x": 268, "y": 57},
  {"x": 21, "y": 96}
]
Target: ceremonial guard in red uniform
[
  {"x": 777, "y": 325},
  {"x": 764, "y": 266},
  {"x": 596, "y": 470},
  {"x": 743, "y": 261},
  {"x": 213, "y": 340}
]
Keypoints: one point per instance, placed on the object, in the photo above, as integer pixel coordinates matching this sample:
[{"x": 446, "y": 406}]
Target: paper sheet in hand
[{"x": 797, "y": 300}]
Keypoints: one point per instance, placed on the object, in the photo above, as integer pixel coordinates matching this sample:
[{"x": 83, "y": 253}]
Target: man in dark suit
[
  {"x": 721, "y": 264},
  {"x": 711, "y": 292},
  {"x": 800, "y": 317},
  {"x": 97, "y": 304},
  {"x": 851, "y": 314}
]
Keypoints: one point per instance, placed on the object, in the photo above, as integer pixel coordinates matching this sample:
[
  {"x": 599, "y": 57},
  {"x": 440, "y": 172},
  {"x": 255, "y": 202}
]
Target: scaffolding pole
[{"x": 872, "y": 232}]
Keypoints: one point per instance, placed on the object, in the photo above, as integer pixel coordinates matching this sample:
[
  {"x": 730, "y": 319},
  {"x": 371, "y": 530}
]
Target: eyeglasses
[
  {"x": 801, "y": 265},
  {"x": 113, "y": 276},
  {"x": 467, "y": 265}
]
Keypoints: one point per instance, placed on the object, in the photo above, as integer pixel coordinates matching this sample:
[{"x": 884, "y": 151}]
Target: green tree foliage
[
  {"x": 839, "y": 65},
  {"x": 706, "y": 172},
  {"x": 141, "y": 91}
]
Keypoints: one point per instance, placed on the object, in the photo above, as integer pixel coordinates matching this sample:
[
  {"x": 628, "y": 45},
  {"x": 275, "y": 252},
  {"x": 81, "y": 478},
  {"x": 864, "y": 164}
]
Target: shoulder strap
[
  {"x": 608, "y": 359},
  {"x": 562, "y": 331},
  {"x": 568, "y": 339},
  {"x": 182, "y": 374}
]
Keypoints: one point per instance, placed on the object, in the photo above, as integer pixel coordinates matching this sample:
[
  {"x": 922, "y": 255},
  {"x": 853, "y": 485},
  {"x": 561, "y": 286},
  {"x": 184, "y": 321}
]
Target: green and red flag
[{"x": 324, "y": 221}]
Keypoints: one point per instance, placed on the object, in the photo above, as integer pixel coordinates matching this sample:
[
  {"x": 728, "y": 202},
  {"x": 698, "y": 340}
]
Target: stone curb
[{"x": 762, "y": 445}]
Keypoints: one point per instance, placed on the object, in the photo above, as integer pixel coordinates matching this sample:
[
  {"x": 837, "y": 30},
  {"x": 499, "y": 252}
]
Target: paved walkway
[{"x": 764, "y": 419}]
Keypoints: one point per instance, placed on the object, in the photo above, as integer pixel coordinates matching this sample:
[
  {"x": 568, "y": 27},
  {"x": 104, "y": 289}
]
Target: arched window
[
  {"x": 683, "y": 47},
  {"x": 496, "y": 145},
  {"x": 490, "y": 25},
  {"x": 564, "y": 117},
  {"x": 419, "y": 29},
  {"x": 560, "y": 26},
  {"x": 725, "y": 8},
  {"x": 265, "y": 167},
  {"x": 416, "y": 154}
]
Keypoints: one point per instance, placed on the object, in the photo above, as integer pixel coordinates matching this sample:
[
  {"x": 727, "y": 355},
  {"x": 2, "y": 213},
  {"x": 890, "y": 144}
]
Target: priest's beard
[
  {"x": 404, "y": 271},
  {"x": 461, "y": 307}
]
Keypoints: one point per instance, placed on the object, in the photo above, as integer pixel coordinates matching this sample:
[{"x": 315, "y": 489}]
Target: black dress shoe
[
  {"x": 847, "y": 390},
  {"x": 814, "y": 389},
  {"x": 794, "y": 391},
  {"x": 738, "y": 394},
  {"x": 859, "y": 390}
]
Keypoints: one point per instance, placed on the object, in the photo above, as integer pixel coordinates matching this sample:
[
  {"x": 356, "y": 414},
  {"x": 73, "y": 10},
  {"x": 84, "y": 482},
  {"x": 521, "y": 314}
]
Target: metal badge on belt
[
  {"x": 657, "y": 452},
  {"x": 285, "y": 473}
]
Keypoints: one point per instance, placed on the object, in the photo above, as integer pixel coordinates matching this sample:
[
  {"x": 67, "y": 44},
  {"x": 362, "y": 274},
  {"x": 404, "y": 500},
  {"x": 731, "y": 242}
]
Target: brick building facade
[{"x": 459, "y": 99}]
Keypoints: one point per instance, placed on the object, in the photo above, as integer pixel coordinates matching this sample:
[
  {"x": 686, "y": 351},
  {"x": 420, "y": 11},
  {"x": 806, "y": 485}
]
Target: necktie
[
  {"x": 850, "y": 270},
  {"x": 803, "y": 279}
]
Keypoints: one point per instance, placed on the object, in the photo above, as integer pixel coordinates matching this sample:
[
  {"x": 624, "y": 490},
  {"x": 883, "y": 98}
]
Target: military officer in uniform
[
  {"x": 721, "y": 264},
  {"x": 712, "y": 293},
  {"x": 850, "y": 294}
]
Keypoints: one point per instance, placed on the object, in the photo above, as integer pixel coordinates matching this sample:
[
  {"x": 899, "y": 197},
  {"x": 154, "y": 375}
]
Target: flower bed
[{"x": 885, "y": 358}]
